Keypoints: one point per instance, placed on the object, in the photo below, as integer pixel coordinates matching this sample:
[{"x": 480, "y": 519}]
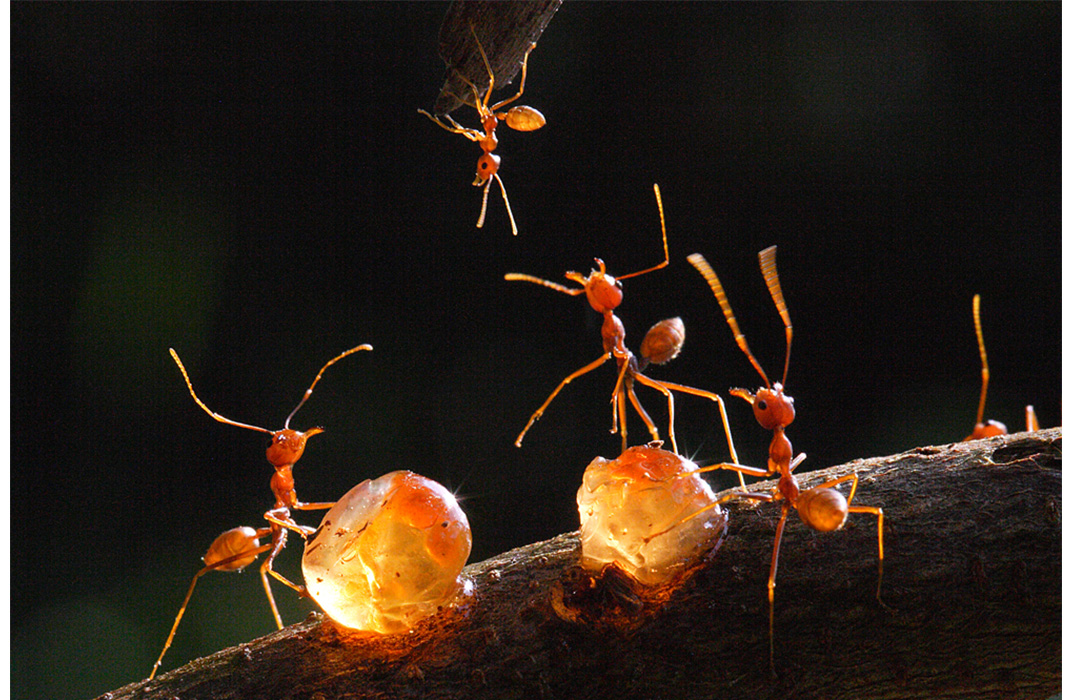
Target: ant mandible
[
  {"x": 662, "y": 343},
  {"x": 237, "y": 548},
  {"x": 520, "y": 118},
  {"x": 991, "y": 428},
  {"x": 822, "y": 507}
]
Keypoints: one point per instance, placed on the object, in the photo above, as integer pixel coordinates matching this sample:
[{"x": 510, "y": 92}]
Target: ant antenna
[
  {"x": 700, "y": 264},
  {"x": 308, "y": 392},
  {"x": 984, "y": 356},
  {"x": 213, "y": 414},
  {"x": 664, "y": 241},
  {"x": 767, "y": 261}
]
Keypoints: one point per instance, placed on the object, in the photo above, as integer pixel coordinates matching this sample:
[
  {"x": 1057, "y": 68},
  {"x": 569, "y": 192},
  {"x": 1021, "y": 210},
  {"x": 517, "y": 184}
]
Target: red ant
[
  {"x": 991, "y": 428},
  {"x": 237, "y": 548},
  {"x": 520, "y": 118},
  {"x": 661, "y": 344},
  {"x": 822, "y": 507}
]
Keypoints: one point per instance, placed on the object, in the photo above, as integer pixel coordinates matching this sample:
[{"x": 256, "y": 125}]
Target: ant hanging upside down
[
  {"x": 661, "y": 344},
  {"x": 520, "y": 118}
]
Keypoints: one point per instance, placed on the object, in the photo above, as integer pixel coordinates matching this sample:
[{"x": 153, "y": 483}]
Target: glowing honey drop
[
  {"x": 388, "y": 554},
  {"x": 639, "y": 494}
]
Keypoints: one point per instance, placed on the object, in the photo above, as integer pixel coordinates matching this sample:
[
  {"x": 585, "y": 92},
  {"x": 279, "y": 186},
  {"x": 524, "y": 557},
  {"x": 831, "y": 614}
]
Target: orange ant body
[
  {"x": 237, "y": 548},
  {"x": 822, "y": 507},
  {"x": 520, "y": 118},
  {"x": 991, "y": 428},
  {"x": 661, "y": 344}
]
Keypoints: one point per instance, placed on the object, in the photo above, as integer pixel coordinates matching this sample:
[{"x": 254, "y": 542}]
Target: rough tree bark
[
  {"x": 505, "y": 30},
  {"x": 971, "y": 578}
]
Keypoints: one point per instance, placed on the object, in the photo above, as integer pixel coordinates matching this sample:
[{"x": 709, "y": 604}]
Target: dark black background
[{"x": 252, "y": 185}]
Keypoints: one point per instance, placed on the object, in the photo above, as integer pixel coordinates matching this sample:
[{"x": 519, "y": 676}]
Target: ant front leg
[
  {"x": 764, "y": 497},
  {"x": 454, "y": 128},
  {"x": 643, "y": 379},
  {"x": 564, "y": 382}
]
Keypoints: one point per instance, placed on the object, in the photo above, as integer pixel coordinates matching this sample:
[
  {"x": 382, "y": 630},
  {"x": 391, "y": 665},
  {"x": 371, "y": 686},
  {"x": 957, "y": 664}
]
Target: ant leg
[
  {"x": 724, "y": 418},
  {"x": 785, "y": 509},
  {"x": 622, "y": 412},
  {"x": 523, "y": 79},
  {"x": 880, "y": 543},
  {"x": 765, "y": 497},
  {"x": 490, "y": 74},
  {"x": 623, "y": 360},
  {"x": 742, "y": 469},
  {"x": 581, "y": 371},
  {"x": 313, "y": 506},
  {"x": 470, "y": 134},
  {"x": 189, "y": 594},
  {"x": 276, "y": 546},
  {"x": 643, "y": 379},
  {"x": 273, "y": 516},
  {"x": 505, "y": 198},
  {"x": 629, "y": 387},
  {"x": 872, "y": 510}
]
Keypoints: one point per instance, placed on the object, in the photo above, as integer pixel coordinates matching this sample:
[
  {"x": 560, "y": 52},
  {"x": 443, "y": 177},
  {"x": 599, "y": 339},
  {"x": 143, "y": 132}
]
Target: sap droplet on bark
[
  {"x": 644, "y": 492},
  {"x": 388, "y": 554}
]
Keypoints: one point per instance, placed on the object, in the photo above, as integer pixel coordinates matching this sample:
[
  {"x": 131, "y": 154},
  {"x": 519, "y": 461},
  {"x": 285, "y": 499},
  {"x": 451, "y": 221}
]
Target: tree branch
[{"x": 972, "y": 577}]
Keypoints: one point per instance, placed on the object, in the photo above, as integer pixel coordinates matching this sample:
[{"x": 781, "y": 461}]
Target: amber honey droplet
[
  {"x": 644, "y": 492},
  {"x": 388, "y": 554}
]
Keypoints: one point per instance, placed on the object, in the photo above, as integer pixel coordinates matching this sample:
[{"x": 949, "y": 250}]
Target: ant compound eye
[
  {"x": 761, "y": 405},
  {"x": 388, "y": 554},
  {"x": 634, "y": 513}
]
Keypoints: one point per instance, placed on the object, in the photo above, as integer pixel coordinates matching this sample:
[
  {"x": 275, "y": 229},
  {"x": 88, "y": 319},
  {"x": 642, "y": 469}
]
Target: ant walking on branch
[
  {"x": 520, "y": 118},
  {"x": 661, "y": 344},
  {"x": 822, "y": 507},
  {"x": 991, "y": 428},
  {"x": 237, "y": 548}
]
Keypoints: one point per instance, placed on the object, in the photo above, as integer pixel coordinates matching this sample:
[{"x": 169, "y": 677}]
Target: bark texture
[
  {"x": 505, "y": 29},
  {"x": 972, "y": 581}
]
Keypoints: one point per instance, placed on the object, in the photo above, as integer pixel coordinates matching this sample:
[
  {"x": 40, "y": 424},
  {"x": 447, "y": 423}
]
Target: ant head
[
  {"x": 486, "y": 167},
  {"x": 987, "y": 429},
  {"x": 603, "y": 291},
  {"x": 772, "y": 407},
  {"x": 287, "y": 445}
]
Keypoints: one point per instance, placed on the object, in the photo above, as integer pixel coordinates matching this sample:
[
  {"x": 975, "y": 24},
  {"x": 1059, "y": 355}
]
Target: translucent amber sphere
[
  {"x": 644, "y": 492},
  {"x": 388, "y": 554}
]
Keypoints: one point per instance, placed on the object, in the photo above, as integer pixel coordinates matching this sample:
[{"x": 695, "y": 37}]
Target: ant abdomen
[
  {"x": 663, "y": 341},
  {"x": 525, "y": 118},
  {"x": 822, "y": 509},
  {"x": 232, "y": 543}
]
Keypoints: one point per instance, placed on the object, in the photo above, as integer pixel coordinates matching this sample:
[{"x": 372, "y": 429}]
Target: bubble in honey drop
[
  {"x": 639, "y": 494},
  {"x": 388, "y": 554}
]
